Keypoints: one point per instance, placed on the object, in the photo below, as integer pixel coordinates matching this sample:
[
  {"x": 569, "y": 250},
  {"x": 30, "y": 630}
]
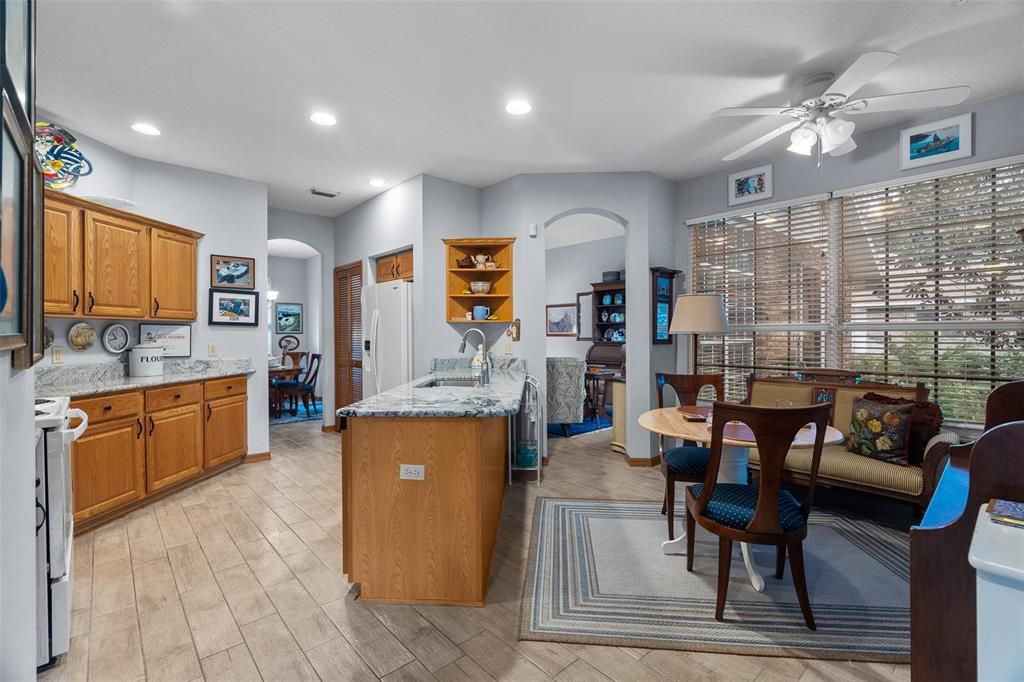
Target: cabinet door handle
[
  {"x": 156, "y": 305},
  {"x": 394, "y": 269},
  {"x": 229, "y": 387},
  {"x": 177, "y": 396},
  {"x": 108, "y": 407},
  {"x": 152, "y": 425},
  {"x": 209, "y": 412},
  {"x": 138, "y": 428},
  {"x": 92, "y": 302},
  {"x": 75, "y": 300}
]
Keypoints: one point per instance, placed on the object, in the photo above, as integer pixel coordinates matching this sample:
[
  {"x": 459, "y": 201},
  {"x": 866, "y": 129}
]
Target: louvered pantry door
[{"x": 348, "y": 334}]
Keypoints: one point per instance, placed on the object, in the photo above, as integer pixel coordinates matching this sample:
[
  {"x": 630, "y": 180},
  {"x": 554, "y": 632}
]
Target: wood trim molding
[
  {"x": 329, "y": 428},
  {"x": 642, "y": 462},
  {"x": 256, "y": 457}
]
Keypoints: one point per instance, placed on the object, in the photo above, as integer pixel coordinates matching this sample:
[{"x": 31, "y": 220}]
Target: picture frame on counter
[
  {"x": 176, "y": 339},
  {"x": 232, "y": 272},
  {"x": 234, "y": 308}
]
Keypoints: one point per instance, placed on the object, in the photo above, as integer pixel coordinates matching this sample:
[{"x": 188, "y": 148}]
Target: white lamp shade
[{"x": 699, "y": 314}]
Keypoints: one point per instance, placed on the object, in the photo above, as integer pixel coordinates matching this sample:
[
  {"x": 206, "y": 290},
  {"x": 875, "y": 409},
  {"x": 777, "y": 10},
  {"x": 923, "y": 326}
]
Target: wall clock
[{"x": 116, "y": 338}]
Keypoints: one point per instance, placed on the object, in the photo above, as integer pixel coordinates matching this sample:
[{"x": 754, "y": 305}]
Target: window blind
[
  {"x": 772, "y": 267},
  {"x": 932, "y": 285},
  {"x": 917, "y": 282}
]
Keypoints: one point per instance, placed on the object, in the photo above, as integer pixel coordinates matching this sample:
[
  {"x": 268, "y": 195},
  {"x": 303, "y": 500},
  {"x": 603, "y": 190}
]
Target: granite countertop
[
  {"x": 84, "y": 380},
  {"x": 500, "y": 398}
]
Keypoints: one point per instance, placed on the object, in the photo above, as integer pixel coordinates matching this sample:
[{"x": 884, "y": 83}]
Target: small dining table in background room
[
  {"x": 282, "y": 374},
  {"x": 737, "y": 439}
]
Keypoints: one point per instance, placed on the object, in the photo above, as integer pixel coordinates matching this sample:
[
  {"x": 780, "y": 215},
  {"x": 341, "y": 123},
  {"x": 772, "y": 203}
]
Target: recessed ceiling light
[
  {"x": 145, "y": 128},
  {"x": 518, "y": 107},
  {"x": 322, "y": 118},
  {"x": 378, "y": 183}
]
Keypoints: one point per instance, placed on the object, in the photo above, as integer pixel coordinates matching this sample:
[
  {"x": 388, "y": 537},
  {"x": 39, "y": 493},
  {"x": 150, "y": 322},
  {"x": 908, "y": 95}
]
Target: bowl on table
[{"x": 480, "y": 287}]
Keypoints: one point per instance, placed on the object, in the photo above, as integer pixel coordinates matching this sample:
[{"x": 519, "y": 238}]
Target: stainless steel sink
[{"x": 449, "y": 383}]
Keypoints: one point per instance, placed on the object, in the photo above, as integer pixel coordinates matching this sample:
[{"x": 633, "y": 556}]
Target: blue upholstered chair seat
[
  {"x": 294, "y": 384},
  {"x": 688, "y": 460},
  {"x": 733, "y": 504}
]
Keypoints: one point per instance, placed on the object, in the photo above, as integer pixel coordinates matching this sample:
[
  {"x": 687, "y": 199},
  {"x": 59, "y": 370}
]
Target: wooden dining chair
[
  {"x": 761, "y": 514},
  {"x": 297, "y": 357},
  {"x": 688, "y": 462},
  {"x": 302, "y": 389}
]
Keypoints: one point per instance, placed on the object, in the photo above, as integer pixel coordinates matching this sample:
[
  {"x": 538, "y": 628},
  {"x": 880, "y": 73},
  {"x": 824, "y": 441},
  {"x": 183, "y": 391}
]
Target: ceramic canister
[{"x": 146, "y": 361}]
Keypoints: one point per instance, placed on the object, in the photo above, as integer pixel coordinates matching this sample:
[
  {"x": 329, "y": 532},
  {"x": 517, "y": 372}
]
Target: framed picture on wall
[
  {"x": 937, "y": 142},
  {"x": 561, "y": 319},
  {"x": 234, "y": 308},
  {"x": 585, "y": 316},
  {"x": 662, "y": 284},
  {"x": 288, "y": 318},
  {"x": 232, "y": 272},
  {"x": 754, "y": 184}
]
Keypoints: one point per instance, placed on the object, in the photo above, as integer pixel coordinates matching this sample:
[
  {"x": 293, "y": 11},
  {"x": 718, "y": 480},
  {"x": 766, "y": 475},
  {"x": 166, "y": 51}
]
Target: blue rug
[
  {"x": 586, "y": 426},
  {"x": 300, "y": 415}
]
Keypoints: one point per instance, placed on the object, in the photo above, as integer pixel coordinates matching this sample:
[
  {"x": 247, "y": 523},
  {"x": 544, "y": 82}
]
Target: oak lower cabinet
[
  {"x": 226, "y": 429},
  {"x": 174, "y": 446},
  {"x": 149, "y": 444},
  {"x": 108, "y": 465}
]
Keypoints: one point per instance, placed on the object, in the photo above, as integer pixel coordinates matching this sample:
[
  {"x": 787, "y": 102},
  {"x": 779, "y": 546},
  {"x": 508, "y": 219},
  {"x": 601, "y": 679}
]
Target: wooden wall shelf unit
[
  {"x": 616, "y": 290},
  {"x": 143, "y": 445},
  {"x": 499, "y": 299},
  {"x": 103, "y": 263}
]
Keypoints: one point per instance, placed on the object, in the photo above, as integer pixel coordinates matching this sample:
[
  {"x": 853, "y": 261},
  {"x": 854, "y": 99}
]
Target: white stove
[{"x": 54, "y": 524}]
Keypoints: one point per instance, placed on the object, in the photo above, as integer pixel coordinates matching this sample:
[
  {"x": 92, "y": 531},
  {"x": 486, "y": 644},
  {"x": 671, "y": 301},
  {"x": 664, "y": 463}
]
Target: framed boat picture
[
  {"x": 232, "y": 272},
  {"x": 234, "y": 308},
  {"x": 936, "y": 142}
]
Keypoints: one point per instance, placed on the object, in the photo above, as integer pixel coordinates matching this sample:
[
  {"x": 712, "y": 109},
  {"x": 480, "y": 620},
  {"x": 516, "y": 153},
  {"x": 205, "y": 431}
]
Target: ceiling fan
[{"x": 818, "y": 119}]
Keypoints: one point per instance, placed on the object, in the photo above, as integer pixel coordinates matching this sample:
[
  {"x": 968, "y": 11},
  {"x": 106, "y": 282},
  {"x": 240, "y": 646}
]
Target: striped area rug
[{"x": 597, "y": 576}]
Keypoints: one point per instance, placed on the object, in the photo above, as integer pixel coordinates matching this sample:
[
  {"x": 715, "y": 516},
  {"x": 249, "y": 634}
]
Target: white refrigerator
[{"x": 387, "y": 336}]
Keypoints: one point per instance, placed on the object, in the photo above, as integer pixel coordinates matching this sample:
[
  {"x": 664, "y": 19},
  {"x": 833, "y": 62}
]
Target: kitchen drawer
[
  {"x": 222, "y": 388},
  {"x": 173, "y": 396},
  {"x": 111, "y": 406}
]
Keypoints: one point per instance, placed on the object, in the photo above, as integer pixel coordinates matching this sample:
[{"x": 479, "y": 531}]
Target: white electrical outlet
[
  {"x": 508, "y": 348},
  {"x": 211, "y": 349},
  {"x": 57, "y": 355},
  {"x": 410, "y": 472}
]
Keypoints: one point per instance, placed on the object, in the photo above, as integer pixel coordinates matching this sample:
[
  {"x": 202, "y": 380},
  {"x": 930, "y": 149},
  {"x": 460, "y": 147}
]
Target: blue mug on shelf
[
  {"x": 481, "y": 312},
  {"x": 619, "y": 299},
  {"x": 606, "y": 299}
]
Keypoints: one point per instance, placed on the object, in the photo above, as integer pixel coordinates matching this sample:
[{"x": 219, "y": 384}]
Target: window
[{"x": 918, "y": 282}]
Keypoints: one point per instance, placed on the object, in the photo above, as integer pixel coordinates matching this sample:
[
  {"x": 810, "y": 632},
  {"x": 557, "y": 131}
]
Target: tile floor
[{"x": 238, "y": 578}]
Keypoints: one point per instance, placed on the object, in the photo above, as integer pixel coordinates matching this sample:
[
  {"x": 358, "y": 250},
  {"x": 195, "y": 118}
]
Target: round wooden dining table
[{"x": 737, "y": 439}]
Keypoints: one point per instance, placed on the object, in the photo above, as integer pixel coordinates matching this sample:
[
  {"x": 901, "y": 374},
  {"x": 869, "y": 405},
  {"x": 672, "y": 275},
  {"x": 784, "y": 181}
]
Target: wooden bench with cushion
[{"x": 840, "y": 467}]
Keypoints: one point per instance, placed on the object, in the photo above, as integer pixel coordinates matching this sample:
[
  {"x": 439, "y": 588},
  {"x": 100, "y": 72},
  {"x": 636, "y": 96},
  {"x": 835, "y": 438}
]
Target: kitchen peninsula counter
[{"x": 426, "y": 540}]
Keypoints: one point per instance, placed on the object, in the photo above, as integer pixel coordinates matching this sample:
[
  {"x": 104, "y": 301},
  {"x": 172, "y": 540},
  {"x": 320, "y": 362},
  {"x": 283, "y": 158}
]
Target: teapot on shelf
[{"x": 481, "y": 260}]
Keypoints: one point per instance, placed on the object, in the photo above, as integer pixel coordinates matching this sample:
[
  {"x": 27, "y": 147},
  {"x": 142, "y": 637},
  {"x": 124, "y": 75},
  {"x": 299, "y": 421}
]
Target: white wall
[
  {"x": 17, "y": 524},
  {"x": 288, "y": 277},
  {"x": 231, "y": 212},
  {"x": 570, "y": 270},
  {"x": 317, "y": 232}
]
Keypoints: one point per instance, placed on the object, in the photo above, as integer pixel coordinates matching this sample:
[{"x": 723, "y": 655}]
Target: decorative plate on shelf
[
  {"x": 116, "y": 338},
  {"x": 81, "y": 336}
]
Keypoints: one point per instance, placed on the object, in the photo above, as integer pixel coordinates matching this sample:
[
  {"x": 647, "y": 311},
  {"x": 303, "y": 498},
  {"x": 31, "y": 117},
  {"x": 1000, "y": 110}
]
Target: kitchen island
[{"x": 423, "y": 481}]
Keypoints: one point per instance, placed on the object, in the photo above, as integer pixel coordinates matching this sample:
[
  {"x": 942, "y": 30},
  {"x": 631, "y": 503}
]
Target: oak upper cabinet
[
  {"x": 395, "y": 266},
  {"x": 62, "y": 280},
  {"x": 174, "y": 445},
  {"x": 226, "y": 430},
  {"x": 108, "y": 466},
  {"x": 172, "y": 275},
  {"x": 116, "y": 273}
]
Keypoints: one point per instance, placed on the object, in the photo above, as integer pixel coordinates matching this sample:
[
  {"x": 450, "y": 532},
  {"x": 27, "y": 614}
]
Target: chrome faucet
[{"x": 485, "y": 370}]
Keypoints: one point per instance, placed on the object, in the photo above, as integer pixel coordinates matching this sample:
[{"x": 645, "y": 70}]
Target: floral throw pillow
[{"x": 880, "y": 431}]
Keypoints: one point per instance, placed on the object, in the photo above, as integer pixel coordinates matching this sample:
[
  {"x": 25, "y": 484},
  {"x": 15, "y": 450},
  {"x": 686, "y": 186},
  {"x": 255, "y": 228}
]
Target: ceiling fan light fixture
[
  {"x": 844, "y": 148},
  {"x": 802, "y": 141},
  {"x": 835, "y": 132}
]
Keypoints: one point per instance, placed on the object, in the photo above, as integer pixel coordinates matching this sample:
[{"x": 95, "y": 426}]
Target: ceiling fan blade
[
  {"x": 867, "y": 66},
  {"x": 922, "y": 99},
  {"x": 752, "y": 111},
  {"x": 764, "y": 139}
]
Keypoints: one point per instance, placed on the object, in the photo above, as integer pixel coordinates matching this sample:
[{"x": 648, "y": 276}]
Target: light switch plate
[
  {"x": 211, "y": 349},
  {"x": 410, "y": 472},
  {"x": 57, "y": 355}
]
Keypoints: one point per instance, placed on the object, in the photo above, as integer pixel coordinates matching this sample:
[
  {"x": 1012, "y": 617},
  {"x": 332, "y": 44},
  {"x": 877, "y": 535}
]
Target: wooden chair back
[
  {"x": 774, "y": 430},
  {"x": 1005, "y": 404},
  {"x": 312, "y": 371},
  {"x": 687, "y": 386},
  {"x": 296, "y": 357}
]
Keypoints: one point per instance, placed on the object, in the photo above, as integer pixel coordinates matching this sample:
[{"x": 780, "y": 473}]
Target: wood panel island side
[{"x": 426, "y": 541}]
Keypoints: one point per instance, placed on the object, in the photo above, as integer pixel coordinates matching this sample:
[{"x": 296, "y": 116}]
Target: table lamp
[{"x": 698, "y": 314}]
